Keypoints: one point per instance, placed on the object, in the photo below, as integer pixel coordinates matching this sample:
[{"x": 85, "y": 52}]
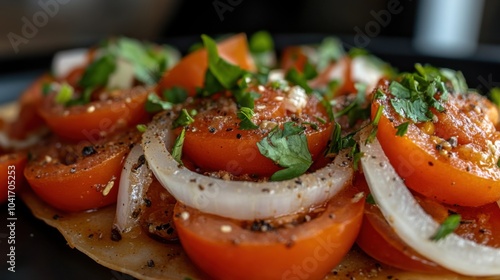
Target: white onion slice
[
  {"x": 238, "y": 199},
  {"x": 134, "y": 183},
  {"x": 67, "y": 60},
  {"x": 414, "y": 226}
]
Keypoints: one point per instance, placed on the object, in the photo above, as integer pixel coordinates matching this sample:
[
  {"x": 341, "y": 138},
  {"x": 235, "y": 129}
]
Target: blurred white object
[
  {"x": 65, "y": 61},
  {"x": 448, "y": 28}
]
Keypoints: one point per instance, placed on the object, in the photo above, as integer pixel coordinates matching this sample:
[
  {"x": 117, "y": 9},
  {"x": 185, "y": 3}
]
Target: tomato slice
[
  {"x": 11, "y": 174},
  {"x": 465, "y": 173},
  {"x": 377, "y": 239},
  {"x": 225, "y": 250},
  {"x": 215, "y": 142},
  {"x": 189, "y": 73},
  {"x": 118, "y": 110},
  {"x": 79, "y": 176}
]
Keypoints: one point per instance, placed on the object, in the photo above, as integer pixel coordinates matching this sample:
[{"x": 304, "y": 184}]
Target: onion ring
[
  {"x": 414, "y": 226},
  {"x": 239, "y": 199},
  {"x": 134, "y": 183}
]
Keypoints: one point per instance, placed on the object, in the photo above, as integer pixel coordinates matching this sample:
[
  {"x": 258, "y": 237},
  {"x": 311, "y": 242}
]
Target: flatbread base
[{"x": 90, "y": 233}]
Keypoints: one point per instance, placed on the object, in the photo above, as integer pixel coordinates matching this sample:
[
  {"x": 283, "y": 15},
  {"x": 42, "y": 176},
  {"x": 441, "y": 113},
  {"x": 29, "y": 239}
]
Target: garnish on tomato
[
  {"x": 79, "y": 176},
  {"x": 451, "y": 148}
]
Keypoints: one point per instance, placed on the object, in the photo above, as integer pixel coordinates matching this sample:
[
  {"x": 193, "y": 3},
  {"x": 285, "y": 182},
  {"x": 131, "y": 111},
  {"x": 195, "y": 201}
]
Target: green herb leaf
[
  {"x": 98, "y": 72},
  {"x": 330, "y": 50},
  {"x": 288, "y": 148},
  {"x": 296, "y": 78},
  {"x": 245, "y": 98},
  {"x": 260, "y": 42},
  {"x": 183, "y": 119},
  {"x": 245, "y": 114},
  {"x": 46, "y": 88},
  {"x": 415, "y": 110},
  {"x": 142, "y": 127},
  {"x": 175, "y": 95},
  {"x": 65, "y": 94},
  {"x": 402, "y": 129},
  {"x": 225, "y": 73},
  {"x": 370, "y": 199},
  {"x": 177, "y": 148},
  {"x": 338, "y": 142},
  {"x": 494, "y": 96},
  {"x": 148, "y": 64},
  {"x": 448, "y": 226},
  {"x": 154, "y": 104}
]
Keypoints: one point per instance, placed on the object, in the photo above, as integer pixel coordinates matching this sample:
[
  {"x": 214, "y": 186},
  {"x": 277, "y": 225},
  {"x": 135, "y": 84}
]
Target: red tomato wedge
[
  {"x": 215, "y": 142},
  {"x": 189, "y": 73},
  {"x": 466, "y": 173},
  {"x": 81, "y": 176},
  {"x": 97, "y": 118},
  {"x": 226, "y": 250}
]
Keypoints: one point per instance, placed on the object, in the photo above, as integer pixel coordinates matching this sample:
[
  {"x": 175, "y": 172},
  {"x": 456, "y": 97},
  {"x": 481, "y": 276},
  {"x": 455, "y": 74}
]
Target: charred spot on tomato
[
  {"x": 151, "y": 263},
  {"x": 261, "y": 225},
  {"x": 88, "y": 151}
]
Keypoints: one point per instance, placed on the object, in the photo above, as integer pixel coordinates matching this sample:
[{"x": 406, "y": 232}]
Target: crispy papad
[{"x": 90, "y": 233}]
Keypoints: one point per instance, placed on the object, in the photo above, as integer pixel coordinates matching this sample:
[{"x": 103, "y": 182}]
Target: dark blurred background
[{"x": 399, "y": 30}]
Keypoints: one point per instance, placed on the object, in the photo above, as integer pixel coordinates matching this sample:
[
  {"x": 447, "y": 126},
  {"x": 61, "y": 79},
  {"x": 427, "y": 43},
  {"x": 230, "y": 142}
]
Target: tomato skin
[
  {"x": 66, "y": 179},
  {"x": 11, "y": 173},
  {"x": 377, "y": 239},
  {"x": 215, "y": 142},
  {"x": 317, "y": 247},
  {"x": 452, "y": 180},
  {"x": 189, "y": 73},
  {"x": 98, "y": 118}
]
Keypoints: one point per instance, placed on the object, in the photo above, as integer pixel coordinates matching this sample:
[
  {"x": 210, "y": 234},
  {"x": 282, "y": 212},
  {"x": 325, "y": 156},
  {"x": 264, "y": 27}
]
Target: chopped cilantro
[
  {"x": 281, "y": 85},
  {"x": 494, "y": 96},
  {"x": 176, "y": 95},
  {"x": 177, "y": 148},
  {"x": 148, "y": 64},
  {"x": 330, "y": 50},
  {"x": 288, "y": 148},
  {"x": 245, "y": 98},
  {"x": 156, "y": 104},
  {"x": 448, "y": 226},
  {"x": 338, "y": 142},
  {"x": 402, "y": 129},
  {"x": 309, "y": 71},
  {"x": 225, "y": 73},
  {"x": 354, "y": 52},
  {"x": 358, "y": 109},
  {"x": 261, "y": 41},
  {"x": 299, "y": 79},
  {"x": 141, "y": 127},
  {"x": 46, "y": 88},
  {"x": 370, "y": 199},
  {"x": 356, "y": 155},
  {"x": 417, "y": 93},
  {"x": 245, "y": 114},
  {"x": 98, "y": 72},
  {"x": 183, "y": 119},
  {"x": 65, "y": 94}
]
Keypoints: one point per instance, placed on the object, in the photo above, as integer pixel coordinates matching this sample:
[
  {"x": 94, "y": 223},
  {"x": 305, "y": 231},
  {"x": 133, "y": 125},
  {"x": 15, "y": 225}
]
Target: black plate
[{"x": 40, "y": 250}]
